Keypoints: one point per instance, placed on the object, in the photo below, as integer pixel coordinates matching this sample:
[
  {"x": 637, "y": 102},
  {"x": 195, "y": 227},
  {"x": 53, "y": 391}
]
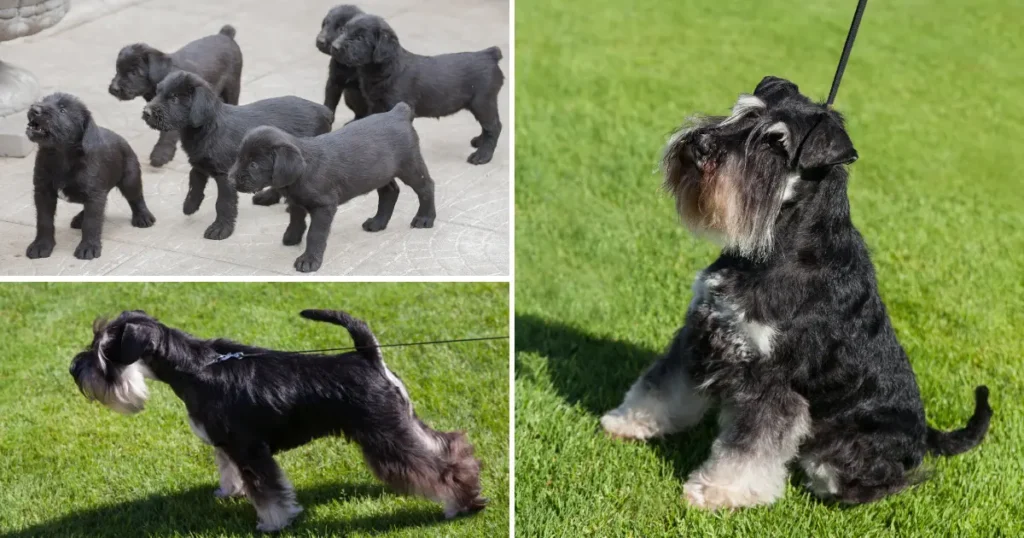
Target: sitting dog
[
  {"x": 80, "y": 162},
  {"x": 318, "y": 174},
  {"x": 786, "y": 331},
  {"x": 140, "y": 67},
  {"x": 250, "y": 403},
  {"x": 434, "y": 86},
  {"x": 211, "y": 132}
]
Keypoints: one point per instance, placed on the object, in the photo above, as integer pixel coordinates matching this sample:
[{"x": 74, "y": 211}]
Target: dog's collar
[{"x": 228, "y": 356}]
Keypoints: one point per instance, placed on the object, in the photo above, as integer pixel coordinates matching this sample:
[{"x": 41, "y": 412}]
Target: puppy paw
[
  {"x": 709, "y": 496},
  {"x": 192, "y": 202},
  {"x": 423, "y": 222},
  {"x": 161, "y": 155},
  {"x": 76, "y": 222},
  {"x": 219, "y": 230},
  {"x": 278, "y": 518},
  {"x": 88, "y": 251},
  {"x": 40, "y": 249},
  {"x": 481, "y": 156},
  {"x": 476, "y": 141},
  {"x": 292, "y": 238},
  {"x": 142, "y": 219},
  {"x": 619, "y": 425},
  {"x": 374, "y": 225},
  {"x": 267, "y": 197},
  {"x": 307, "y": 264}
]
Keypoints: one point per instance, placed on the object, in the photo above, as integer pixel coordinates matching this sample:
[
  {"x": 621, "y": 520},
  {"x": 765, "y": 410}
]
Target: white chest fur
[
  {"x": 709, "y": 290},
  {"x": 199, "y": 430}
]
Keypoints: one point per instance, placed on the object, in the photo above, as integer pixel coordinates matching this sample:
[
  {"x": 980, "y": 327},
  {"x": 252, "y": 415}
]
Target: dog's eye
[
  {"x": 777, "y": 141},
  {"x": 254, "y": 165},
  {"x": 173, "y": 99}
]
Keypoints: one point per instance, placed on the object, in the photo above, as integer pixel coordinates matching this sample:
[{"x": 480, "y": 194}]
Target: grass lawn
[
  {"x": 932, "y": 95},
  {"x": 70, "y": 468}
]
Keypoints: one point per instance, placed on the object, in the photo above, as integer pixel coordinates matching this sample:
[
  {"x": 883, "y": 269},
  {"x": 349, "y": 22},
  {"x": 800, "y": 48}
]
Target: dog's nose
[
  {"x": 114, "y": 88},
  {"x": 321, "y": 43},
  {"x": 701, "y": 145},
  {"x": 146, "y": 112},
  {"x": 35, "y": 110}
]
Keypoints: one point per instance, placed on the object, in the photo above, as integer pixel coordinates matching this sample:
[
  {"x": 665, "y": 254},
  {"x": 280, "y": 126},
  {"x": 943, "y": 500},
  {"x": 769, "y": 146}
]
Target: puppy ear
[
  {"x": 99, "y": 324},
  {"x": 136, "y": 341},
  {"x": 288, "y": 165},
  {"x": 771, "y": 89},
  {"x": 203, "y": 106},
  {"x": 386, "y": 47},
  {"x": 159, "y": 65},
  {"x": 826, "y": 145}
]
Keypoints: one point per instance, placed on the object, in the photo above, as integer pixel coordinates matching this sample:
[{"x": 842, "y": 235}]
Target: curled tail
[
  {"x": 366, "y": 343},
  {"x": 955, "y": 442},
  {"x": 494, "y": 52},
  {"x": 228, "y": 30}
]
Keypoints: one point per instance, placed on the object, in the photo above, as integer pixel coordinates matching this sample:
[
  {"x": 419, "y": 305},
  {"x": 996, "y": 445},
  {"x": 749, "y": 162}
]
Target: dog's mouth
[
  {"x": 35, "y": 131},
  {"x": 245, "y": 185},
  {"x": 323, "y": 47}
]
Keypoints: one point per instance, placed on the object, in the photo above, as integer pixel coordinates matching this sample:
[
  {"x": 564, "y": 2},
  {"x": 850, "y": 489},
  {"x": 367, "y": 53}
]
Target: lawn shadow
[
  {"x": 595, "y": 372},
  {"x": 197, "y": 511}
]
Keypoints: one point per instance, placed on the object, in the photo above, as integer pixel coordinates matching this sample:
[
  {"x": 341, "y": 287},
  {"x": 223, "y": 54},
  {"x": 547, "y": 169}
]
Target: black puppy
[
  {"x": 140, "y": 67},
  {"x": 434, "y": 86},
  {"x": 80, "y": 162},
  {"x": 318, "y": 174},
  {"x": 211, "y": 132},
  {"x": 250, "y": 403}
]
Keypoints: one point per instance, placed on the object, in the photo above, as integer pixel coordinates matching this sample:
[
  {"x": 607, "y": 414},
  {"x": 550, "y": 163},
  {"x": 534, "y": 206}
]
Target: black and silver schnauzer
[
  {"x": 786, "y": 332},
  {"x": 250, "y": 403}
]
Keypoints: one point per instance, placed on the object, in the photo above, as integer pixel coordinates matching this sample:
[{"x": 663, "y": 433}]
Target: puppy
[
  {"x": 318, "y": 174},
  {"x": 140, "y": 67},
  {"x": 250, "y": 403},
  {"x": 434, "y": 86},
  {"x": 211, "y": 132},
  {"x": 80, "y": 162}
]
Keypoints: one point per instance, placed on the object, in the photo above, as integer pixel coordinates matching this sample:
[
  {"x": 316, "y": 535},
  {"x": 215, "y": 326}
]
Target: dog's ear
[
  {"x": 386, "y": 47},
  {"x": 772, "y": 90},
  {"x": 159, "y": 64},
  {"x": 99, "y": 324},
  {"x": 204, "y": 104},
  {"x": 136, "y": 339},
  {"x": 826, "y": 145},
  {"x": 288, "y": 165}
]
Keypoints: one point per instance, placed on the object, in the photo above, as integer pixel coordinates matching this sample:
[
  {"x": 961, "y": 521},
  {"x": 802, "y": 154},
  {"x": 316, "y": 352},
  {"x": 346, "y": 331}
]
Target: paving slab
[{"x": 470, "y": 237}]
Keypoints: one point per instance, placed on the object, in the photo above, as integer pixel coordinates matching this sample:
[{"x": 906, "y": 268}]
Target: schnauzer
[
  {"x": 140, "y": 67},
  {"x": 80, "y": 162},
  {"x": 434, "y": 86},
  {"x": 786, "y": 331},
  {"x": 250, "y": 403}
]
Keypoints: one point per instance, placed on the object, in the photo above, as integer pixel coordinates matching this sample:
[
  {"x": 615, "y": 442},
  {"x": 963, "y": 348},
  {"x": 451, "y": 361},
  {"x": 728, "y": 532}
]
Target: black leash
[
  {"x": 242, "y": 354},
  {"x": 850, "y": 36}
]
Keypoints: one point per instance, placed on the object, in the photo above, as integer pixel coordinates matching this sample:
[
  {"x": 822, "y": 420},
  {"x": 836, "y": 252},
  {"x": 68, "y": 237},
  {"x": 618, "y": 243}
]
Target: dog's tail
[
  {"x": 366, "y": 343},
  {"x": 404, "y": 110},
  {"x": 228, "y": 30},
  {"x": 955, "y": 442},
  {"x": 494, "y": 53}
]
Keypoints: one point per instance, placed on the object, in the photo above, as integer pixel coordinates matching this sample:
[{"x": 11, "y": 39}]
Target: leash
[
  {"x": 242, "y": 354},
  {"x": 847, "y": 47}
]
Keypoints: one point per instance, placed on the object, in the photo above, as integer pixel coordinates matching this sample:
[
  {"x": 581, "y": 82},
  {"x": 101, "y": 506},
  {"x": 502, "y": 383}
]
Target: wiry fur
[
  {"x": 253, "y": 407},
  {"x": 786, "y": 330}
]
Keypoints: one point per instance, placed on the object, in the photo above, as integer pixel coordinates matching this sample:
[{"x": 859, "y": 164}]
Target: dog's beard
[{"x": 127, "y": 394}]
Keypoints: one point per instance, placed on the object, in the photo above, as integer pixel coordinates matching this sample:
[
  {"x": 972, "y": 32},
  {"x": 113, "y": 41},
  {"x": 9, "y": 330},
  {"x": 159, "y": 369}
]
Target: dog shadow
[
  {"x": 176, "y": 514},
  {"x": 594, "y": 372}
]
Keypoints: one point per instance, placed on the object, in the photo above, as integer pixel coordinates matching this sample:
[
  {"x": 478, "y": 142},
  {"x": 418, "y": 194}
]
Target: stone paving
[{"x": 470, "y": 236}]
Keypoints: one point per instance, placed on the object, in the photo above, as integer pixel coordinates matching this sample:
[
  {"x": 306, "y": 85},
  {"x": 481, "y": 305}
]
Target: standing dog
[
  {"x": 211, "y": 132},
  {"x": 250, "y": 403},
  {"x": 140, "y": 67},
  {"x": 786, "y": 331},
  {"x": 80, "y": 162},
  {"x": 318, "y": 174},
  {"x": 434, "y": 86}
]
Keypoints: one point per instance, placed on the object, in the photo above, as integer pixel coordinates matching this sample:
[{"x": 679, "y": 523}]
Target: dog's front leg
[
  {"x": 231, "y": 484},
  {"x": 316, "y": 241},
  {"x": 92, "y": 228},
  {"x": 196, "y": 191},
  {"x": 46, "y": 210},
  {"x": 227, "y": 210},
  {"x": 266, "y": 487},
  {"x": 296, "y": 226},
  {"x": 164, "y": 149}
]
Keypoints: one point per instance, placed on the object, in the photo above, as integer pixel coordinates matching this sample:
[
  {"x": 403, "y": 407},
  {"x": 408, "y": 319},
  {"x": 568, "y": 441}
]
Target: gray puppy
[
  {"x": 80, "y": 162},
  {"x": 316, "y": 175},
  {"x": 434, "y": 86},
  {"x": 211, "y": 132},
  {"x": 140, "y": 67}
]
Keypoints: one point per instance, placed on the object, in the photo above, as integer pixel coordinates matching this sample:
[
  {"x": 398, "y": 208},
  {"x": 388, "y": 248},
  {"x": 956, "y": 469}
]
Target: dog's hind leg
[
  {"x": 387, "y": 196},
  {"x": 485, "y": 110},
  {"x": 196, "y": 191},
  {"x": 662, "y": 401},
  {"x": 131, "y": 188},
  {"x": 415, "y": 174},
  {"x": 266, "y": 487},
  {"x": 163, "y": 150},
  {"x": 231, "y": 484}
]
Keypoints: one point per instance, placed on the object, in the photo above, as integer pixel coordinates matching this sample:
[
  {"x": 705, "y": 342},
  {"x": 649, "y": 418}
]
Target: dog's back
[
  {"x": 213, "y": 57},
  {"x": 448, "y": 83}
]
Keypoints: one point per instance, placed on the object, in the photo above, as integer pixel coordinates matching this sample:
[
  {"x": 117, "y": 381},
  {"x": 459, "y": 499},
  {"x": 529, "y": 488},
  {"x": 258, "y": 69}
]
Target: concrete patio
[{"x": 470, "y": 236}]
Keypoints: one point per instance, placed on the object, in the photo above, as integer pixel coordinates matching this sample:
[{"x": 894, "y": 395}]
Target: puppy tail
[
  {"x": 955, "y": 442},
  {"x": 366, "y": 343},
  {"x": 404, "y": 110},
  {"x": 228, "y": 30},
  {"x": 494, "y": 53}
]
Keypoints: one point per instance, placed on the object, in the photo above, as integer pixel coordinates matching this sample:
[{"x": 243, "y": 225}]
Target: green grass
[
  {"x": 933, "y": 98},
  {"x": 71, "y": 468}
]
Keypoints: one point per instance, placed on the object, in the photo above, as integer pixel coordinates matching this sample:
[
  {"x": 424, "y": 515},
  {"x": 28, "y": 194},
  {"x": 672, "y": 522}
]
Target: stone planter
[{"x": 18, "y": 88}]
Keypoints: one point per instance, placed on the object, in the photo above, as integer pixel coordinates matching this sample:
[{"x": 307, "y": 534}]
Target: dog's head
[
  {"x": 335, "y": 20},
  {"x": 731, "y": 176},
  {"x": 182, "y": 100},
  {"x": 112, "y": 370},
  {"x": 58, "y": 119},
  {"x": 139, "y": 69},
  {"x": 366, "y": 40},
  {"x": 267, "y": 157}
]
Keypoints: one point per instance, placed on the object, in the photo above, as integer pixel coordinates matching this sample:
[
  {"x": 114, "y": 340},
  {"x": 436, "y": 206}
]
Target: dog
[
  {"x": 211, "y": 132},
  {"x": 140, "y": 67},
  {"x": 250, "y": 403},
  {"x": 318, "y": 174},
  {"x": 434, "y": 86},
  {"x": 786, "y": 332},
  {"x": 79, "y": 162}
]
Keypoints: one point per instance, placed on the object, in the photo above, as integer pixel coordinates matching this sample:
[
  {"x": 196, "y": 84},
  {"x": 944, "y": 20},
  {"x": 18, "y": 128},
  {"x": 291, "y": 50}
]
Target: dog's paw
[
  {"x": 709, "y": 496},
  {"x": 292, "y": 238},
  {"x": 88, "y": 251},
  {"x": 219, "y": 230},
  {"x": 221, "y": 493},
  {"x": 279, "y": 518},
  {"x": 481, "y": 156},
  {"x": 623, "y": 426},
  {"x": 193, "y": 200},
  {"x": 475, "y": 142},
  {"x": 40, "y": 249},
  {"x": 143, "y": 219},
  {"x": 267, "y": 197},
  {"x": 76, "y": 221},
  {"x": 307, "y": 264},
  {"x": 423, "y": 222},
  {"x": 161, "y": 155},
  {"x": 374, "y": 225}
]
